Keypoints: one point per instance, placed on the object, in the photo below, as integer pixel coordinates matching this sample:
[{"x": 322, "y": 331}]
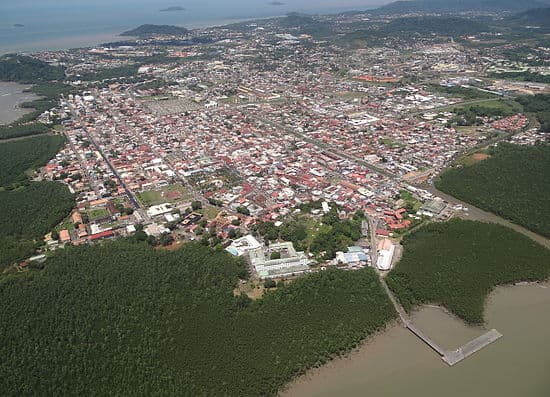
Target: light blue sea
[{"x": 57, "y": 24}]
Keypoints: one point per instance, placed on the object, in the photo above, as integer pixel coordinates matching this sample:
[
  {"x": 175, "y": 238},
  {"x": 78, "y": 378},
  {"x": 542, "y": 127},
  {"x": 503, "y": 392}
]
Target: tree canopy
[
  {"x": 17, "y": 157},
  {"x": 122, "y": 318},
  {"x": 458, "y": 263},
  {"x": 513, "y": 182},
  {"x": 25, "y": 69}
]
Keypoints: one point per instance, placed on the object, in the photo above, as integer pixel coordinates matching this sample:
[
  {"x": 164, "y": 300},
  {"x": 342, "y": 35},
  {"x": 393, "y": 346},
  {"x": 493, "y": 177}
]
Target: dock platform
[
  {"x": 452, "y": 357},
  {"x": 463, "y": 352}
]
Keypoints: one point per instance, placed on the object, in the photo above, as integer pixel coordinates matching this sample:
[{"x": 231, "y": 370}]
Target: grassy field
[
  {"x": 458, "y": 263},
  {"x": 96, "y": 213},
  {"x": 155, "y": 197},
  {"x": 210, "y": 212}
]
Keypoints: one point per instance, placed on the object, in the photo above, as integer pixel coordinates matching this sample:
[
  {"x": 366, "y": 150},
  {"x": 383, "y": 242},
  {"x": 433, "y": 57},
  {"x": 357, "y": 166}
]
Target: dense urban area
[{"x": 262, "y": 182}]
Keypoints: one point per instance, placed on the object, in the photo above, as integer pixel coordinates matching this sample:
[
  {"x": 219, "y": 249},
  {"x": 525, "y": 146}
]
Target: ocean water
[{"x": 58, "y": 24}]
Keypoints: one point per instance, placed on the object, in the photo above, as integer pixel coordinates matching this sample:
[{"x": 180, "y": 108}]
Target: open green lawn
[
  {"x": 98, "y": 212},
  {"x": 314, "y": 228},
  {"x": 155, "y": 197},
  {"x": 150, "y": 197},
  {"x": 210, "y": 211},
  {"x": 458, "y": 263}
]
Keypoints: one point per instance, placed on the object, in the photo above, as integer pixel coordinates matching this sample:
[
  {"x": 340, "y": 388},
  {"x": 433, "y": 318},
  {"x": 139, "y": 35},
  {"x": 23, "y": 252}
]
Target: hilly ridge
[{"x": 400, "y": 7}]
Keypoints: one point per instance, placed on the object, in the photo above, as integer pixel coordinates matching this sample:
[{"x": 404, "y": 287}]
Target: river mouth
[
  {"x": 396, "y": 362},
  {"x": 11, "y": 97}
]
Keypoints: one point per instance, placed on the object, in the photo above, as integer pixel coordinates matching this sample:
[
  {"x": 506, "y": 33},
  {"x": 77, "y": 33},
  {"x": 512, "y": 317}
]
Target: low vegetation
[
  {"x": 466, "y": 93},
  {"x": 458, "y": 263},
  {"x": 125, "y": 319},
  {"x": 513, "y": 182}
]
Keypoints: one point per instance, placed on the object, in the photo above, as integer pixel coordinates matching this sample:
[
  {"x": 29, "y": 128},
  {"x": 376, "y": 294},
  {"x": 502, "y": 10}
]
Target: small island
[
  {"x": 172, "y": 9},
  {"x": 276, "y": 3},
  {"x": 18, "y": 25},
  {"x": 153, "y": 30}
]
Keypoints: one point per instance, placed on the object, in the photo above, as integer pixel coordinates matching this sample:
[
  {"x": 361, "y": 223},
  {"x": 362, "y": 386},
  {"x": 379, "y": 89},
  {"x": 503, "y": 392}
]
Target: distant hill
[
  {"x": 172, "y": 9},
  {"x": 25, "y": 69},
  {"x": 305, "y": 24},
  {"x": 152, "y": 30},
  {"x": 296, "y": 20},
  {"x": 401, "y": 7},
  {"x": 538, "y": 17},
  {"x": 451, "y": 26}
]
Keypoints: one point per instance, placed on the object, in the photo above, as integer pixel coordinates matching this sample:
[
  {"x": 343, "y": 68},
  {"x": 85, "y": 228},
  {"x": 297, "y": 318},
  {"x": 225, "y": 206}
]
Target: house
[{"x": 64, "y": 236}]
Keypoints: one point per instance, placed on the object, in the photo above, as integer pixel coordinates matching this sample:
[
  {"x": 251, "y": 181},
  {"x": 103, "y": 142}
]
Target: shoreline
[
  {"x": 62, "y": 43},
  {"x": 387, "y": 337},
  {"x": 10, "y": 109},
  {"x": 367, "y": 341}
]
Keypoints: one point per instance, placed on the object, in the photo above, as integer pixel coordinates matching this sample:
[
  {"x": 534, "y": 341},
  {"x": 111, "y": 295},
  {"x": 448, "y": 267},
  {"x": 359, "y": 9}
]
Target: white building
[
  {"x": 241, "y": 246},
  {"x": 386, "y": 250},
  {"x": 160, "y": 209}
]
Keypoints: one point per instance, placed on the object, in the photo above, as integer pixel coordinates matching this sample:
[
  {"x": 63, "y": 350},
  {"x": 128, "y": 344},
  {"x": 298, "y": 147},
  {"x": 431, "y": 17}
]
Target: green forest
[
  {"x": 33, "y": 211},
  {"x": 474, "y": 114},
  {"x": 539, "y": 105},
  {"x": 458, "y": 263},
  {"x": 29, "y": 209},
  {"x": 24, "y": 69},
  {"x": 513, "y": 183},
  {"x": 154, "y": 30},
  {"x": 17, "y": 157},
  {"x": 523, "y": 76},
  {"x": 125, "y": 319},
  {"x": 27, "y": 215},
  {"x": 18, "y": 130}
]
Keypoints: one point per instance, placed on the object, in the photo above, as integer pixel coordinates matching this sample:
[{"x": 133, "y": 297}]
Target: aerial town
[
  {"x": 258, "y": 129},
  {"x": 269, "y": 198}
]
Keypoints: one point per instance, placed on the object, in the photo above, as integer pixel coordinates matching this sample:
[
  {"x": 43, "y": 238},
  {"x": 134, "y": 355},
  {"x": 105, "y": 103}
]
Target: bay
[
  {"x": 396, "y": 363},
  {"x": 62, "y": 24}
]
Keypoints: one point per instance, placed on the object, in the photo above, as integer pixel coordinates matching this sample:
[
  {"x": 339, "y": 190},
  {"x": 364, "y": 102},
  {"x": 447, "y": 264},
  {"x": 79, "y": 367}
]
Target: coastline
[
  {"x": 394, "y": 354},
  {"x": 12, "y": 95},
  {"x": 92, "y": 40},
  {"x": 309, "y": 374}
]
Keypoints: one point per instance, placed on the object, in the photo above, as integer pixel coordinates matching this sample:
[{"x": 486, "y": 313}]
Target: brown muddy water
[
  {"x": 11, "y": 96},
  {"x": 396, "y": 363}
]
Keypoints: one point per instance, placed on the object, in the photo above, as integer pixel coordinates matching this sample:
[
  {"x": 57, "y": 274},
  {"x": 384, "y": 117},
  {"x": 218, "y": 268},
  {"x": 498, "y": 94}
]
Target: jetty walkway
[{"x": 451, "y": 357}]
